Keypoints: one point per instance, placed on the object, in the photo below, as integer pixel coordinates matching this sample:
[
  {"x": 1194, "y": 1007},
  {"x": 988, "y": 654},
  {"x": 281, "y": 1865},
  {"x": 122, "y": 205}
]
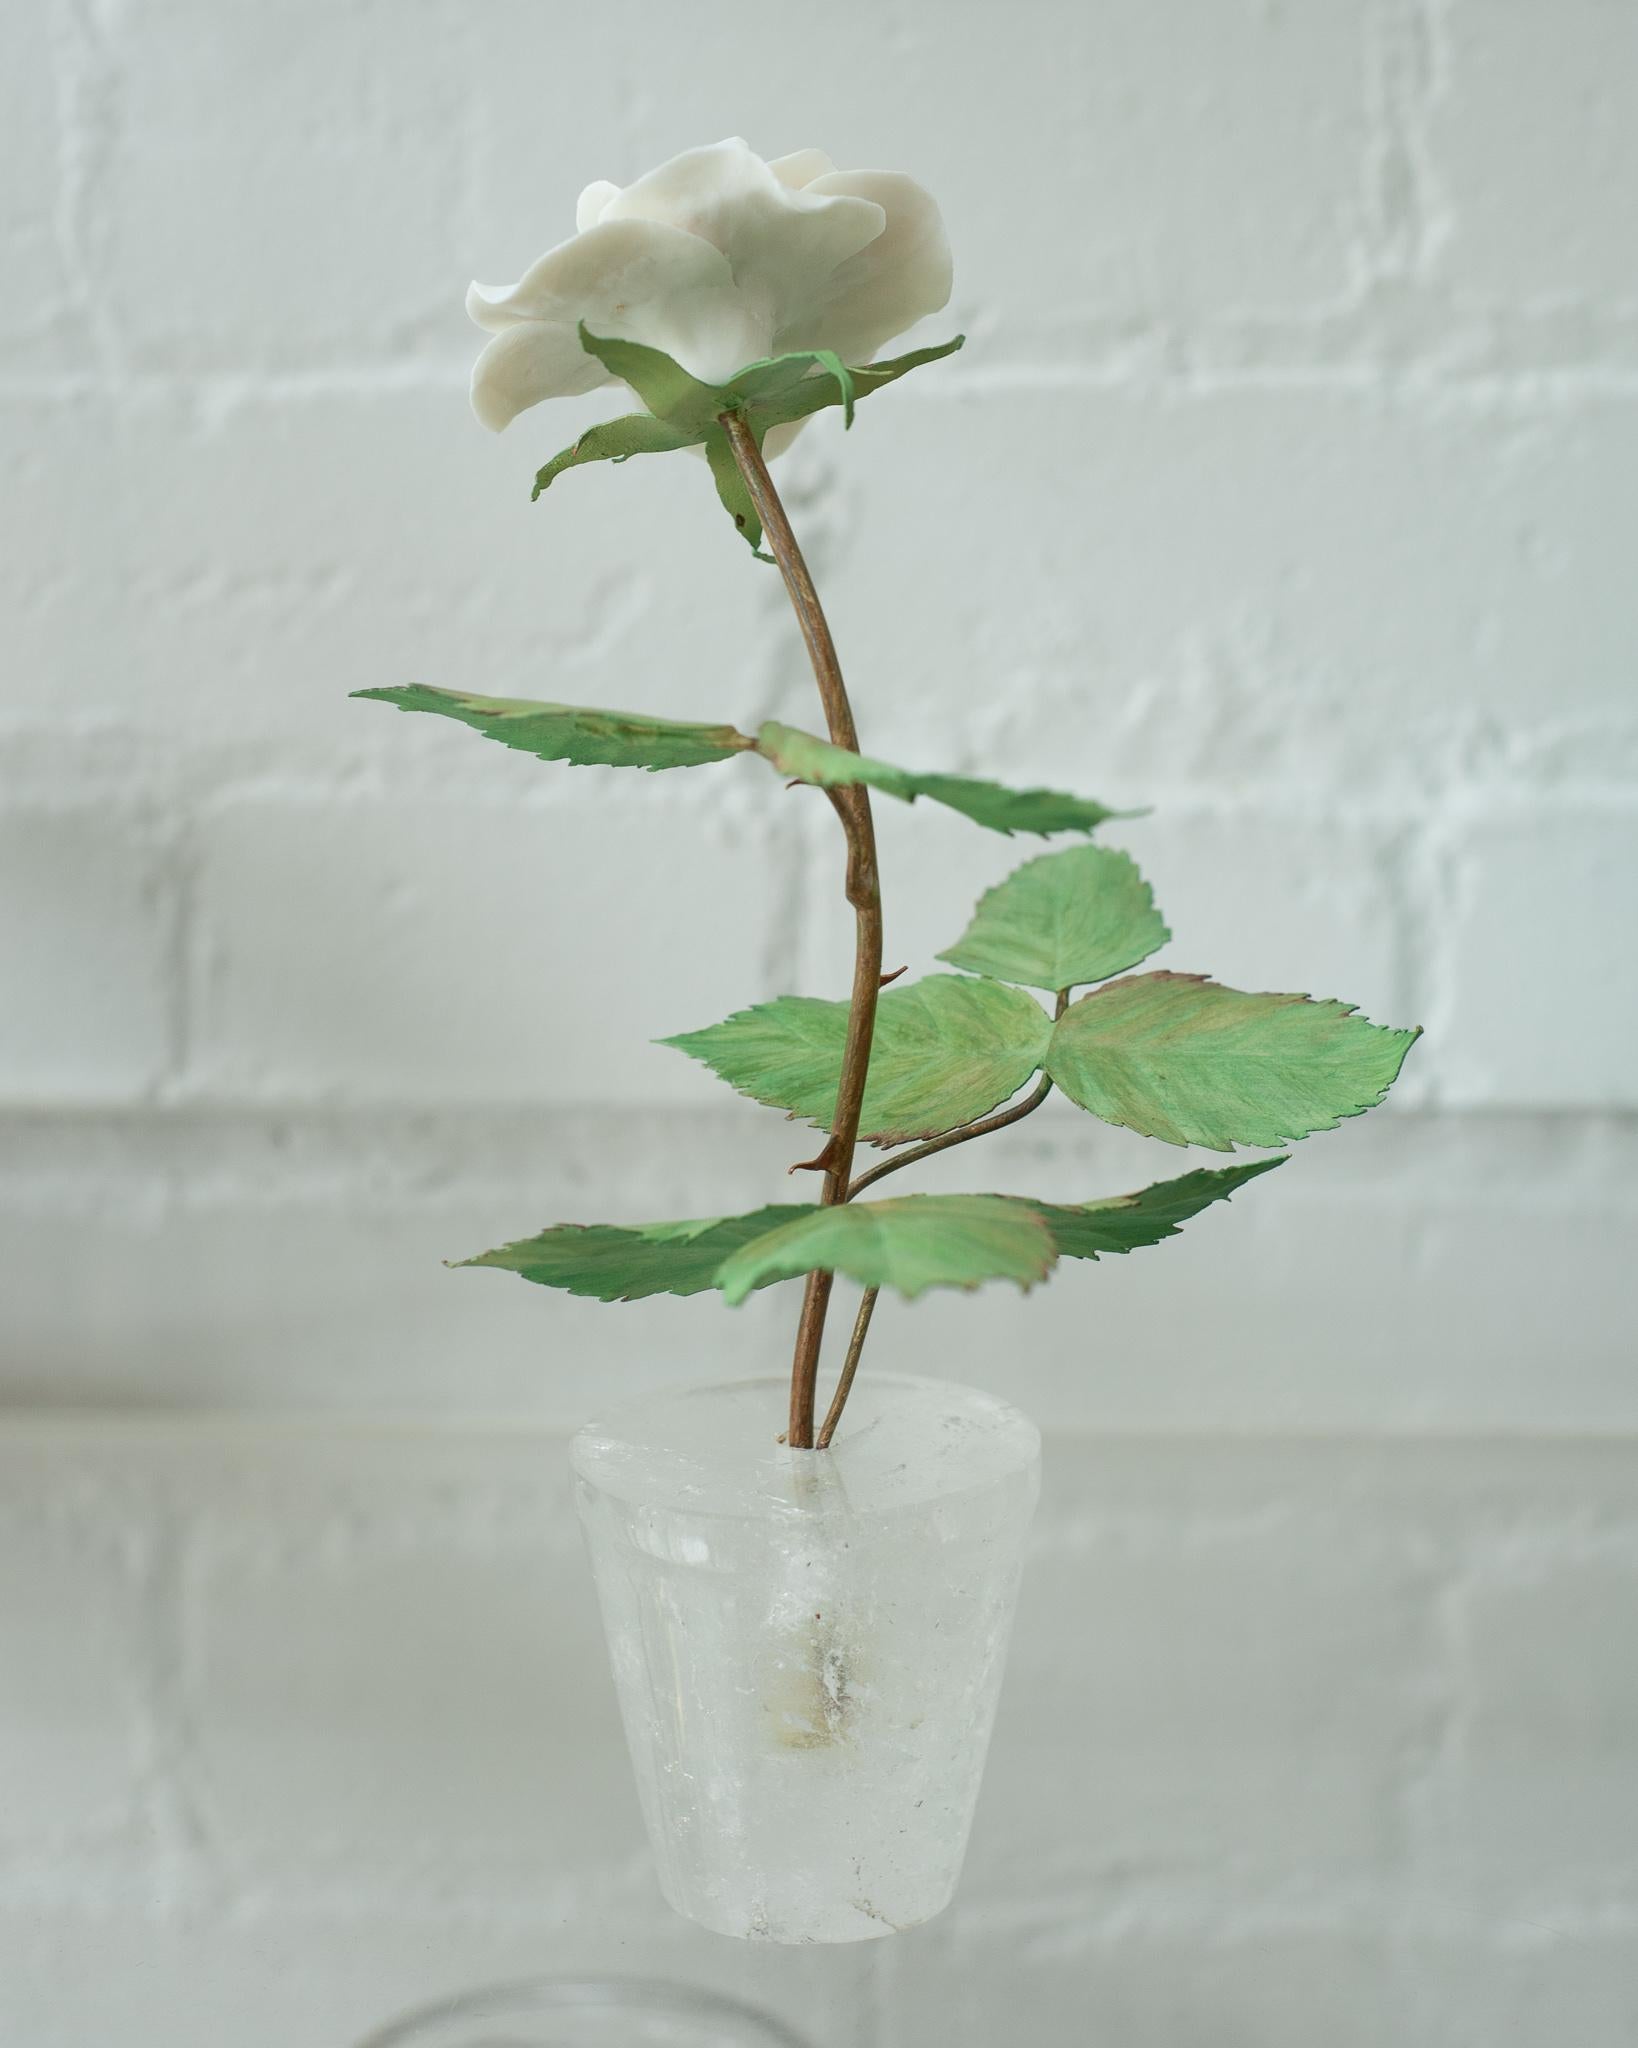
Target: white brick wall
[{"x": 1287, "y": 484}]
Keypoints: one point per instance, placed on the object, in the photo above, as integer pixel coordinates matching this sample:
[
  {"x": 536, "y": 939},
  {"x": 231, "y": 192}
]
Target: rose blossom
[{"x": 720, "y": 259}]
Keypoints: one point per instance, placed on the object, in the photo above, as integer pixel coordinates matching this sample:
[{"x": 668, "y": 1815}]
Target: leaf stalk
[{"x": 981, "y": 1129}]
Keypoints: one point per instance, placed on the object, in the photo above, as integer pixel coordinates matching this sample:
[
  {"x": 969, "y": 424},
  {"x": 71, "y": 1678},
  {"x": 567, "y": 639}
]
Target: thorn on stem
[
  {"x": 897, "y": 971},
  {"x": 820, "y": 1165}
]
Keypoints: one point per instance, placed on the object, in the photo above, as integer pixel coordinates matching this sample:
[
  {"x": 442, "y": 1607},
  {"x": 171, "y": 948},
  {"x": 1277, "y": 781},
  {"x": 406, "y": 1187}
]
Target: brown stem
[
  {"x": 852, "y": 807},
  {"x": 844, "y": 1386},
  {"x": 942, "y": 1143},
  {"x": 867, "y": 1307}
]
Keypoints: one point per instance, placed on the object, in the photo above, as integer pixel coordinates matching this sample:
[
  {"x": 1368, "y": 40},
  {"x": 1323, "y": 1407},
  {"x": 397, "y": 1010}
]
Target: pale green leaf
[
  {"x": 1122, "y": 1223},
  {"x": 574, "y": 733},
  {"x": 911, "y": 1244},
  {"x": 807, "y": 759},
  {"x": 1178, "y": 1057},
  {"x": 633, "y": 433},
  {"x": 1062, "y": 920},
  {"x": 945, "y": 1050},
  {"x": 613, "y": 1263}
]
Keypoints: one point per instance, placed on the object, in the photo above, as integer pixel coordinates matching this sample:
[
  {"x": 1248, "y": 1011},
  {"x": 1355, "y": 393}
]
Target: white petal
[
  {"x": 530, "y": 361},
  {"x": 777, "y": 439},
  {"x": 610, "y": 263},
  {"x": 695, "y": 182},
  {"x": 638, "y": 280},
  {"x": 589, "y": 207},
  {"x": 800, "y": 168},
  {"x": 900, "y": 278},
  {"x": 782, "y": 244}
]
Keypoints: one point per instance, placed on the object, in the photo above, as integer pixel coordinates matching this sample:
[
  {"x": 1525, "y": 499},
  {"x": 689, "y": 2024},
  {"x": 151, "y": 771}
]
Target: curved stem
[
  {"x": 945, "y": 1139},
  {"x": 844, "y": 1386},
  {"x": 943, "y": 1142},
  {"x": 852, "y": 807}
]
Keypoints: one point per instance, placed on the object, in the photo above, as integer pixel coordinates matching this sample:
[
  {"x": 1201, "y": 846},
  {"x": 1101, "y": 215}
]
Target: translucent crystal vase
[
  {"x": 590, "y": 2013},
  {"x": 808, "y": 1645}
]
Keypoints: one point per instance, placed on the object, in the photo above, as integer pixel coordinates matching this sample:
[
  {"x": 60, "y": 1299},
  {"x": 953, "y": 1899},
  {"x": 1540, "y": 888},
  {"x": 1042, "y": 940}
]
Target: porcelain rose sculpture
[
  {"x": 718, "y": 259},
  {"x": 808, "y": 1625}
]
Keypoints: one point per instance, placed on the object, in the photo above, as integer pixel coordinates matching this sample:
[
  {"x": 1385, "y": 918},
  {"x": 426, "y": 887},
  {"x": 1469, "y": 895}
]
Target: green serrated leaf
[
  {"x": 911, "y": 1244},
  {"x": 945, "y": 1050},
  {"x": 1062, "y": 920},
  {"x": 585, "y": 737},
  {"x": 633, "y": 433},
  {"x": 613, "y": 1263},
  {"x": 805, "y": 758},
  {"x": 1123, "y": 1223},
  {"x": 1183, "y": 1059}
]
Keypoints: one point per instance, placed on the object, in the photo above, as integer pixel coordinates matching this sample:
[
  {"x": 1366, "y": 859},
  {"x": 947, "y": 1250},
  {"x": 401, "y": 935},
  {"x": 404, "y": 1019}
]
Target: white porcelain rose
[{"x": 721, "y": 260}]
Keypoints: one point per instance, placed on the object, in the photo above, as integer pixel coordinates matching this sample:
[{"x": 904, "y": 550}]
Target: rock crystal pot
[
  {"x": 573, "y": 2013},
  {"x": 808, "y": 1645}
]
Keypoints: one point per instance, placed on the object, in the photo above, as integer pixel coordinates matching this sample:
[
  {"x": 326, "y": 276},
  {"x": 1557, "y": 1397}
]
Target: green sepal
[
  {"x": 733, "y": 491},
  {"x": 613, "y": 1263},
  {"x": 770, "y": 393},
  {"x": 762, "y": 390},
  {"x": 576, "y": 733},
  {"x": 946, "y": 1049},
  {"x": 805, "y": 758},
  {"x": 1063, "y": 920},
  {"x": 770, "y": 402},
  {"x": 617, "y": 440},
  {"x": 663, "y": 385},
  {"x": 1181, "y": 1058},
  {"x": 685, "y": 413}
]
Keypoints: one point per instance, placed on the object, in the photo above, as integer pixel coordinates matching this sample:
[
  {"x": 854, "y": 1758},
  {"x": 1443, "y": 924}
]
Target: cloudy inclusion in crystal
[{"x": 808, "y": 1646}]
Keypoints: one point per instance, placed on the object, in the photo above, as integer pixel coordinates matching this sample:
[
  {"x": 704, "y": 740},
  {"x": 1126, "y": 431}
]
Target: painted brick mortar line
[
  {"x": 185, "y": 1859},
  {"x": 84, "y": 86},
  {"x": 1484, "y": 359},
  {"x": 1408, "y": 218}
]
